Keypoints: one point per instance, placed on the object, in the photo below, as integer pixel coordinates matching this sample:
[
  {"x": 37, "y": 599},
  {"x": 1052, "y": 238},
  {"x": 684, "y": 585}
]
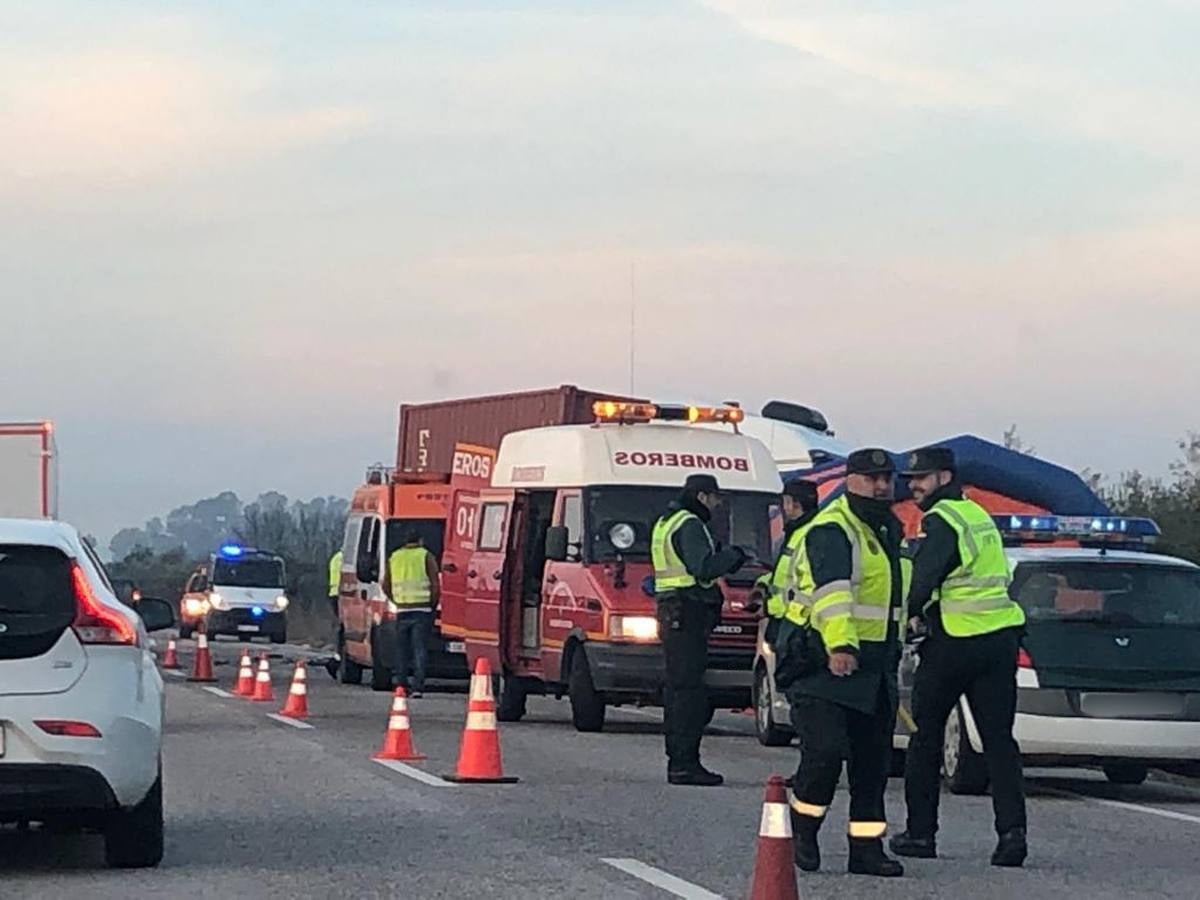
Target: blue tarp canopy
[{"x": 992, "y": 467}]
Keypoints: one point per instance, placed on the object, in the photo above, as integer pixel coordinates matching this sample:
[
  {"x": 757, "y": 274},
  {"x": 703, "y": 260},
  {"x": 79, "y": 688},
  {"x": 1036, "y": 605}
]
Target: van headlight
[
  {"x": 216, "y": 601},
  {"x": 195, "y": 607},
  {"x": 634, "y": 628},
  {"x": 281, "y": 602}
]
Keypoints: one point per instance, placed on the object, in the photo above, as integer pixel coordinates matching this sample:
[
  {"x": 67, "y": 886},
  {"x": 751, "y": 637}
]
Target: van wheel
[
  {"x": 348, "y": 672},
  {"x": 1125, "y": 773},
  {"x": 510, "y": 702},
  {"x": 769, "y": 734},
  {"x": 964, "y": 769},
  {"x": 587, "y": 707},
  {"x": 133, "y": 838},
  {"x": 381, "y": 676}
]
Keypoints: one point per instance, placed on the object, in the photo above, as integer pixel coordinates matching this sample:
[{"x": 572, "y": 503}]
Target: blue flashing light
[
  {"x": 231, "y": 550},
  {"x": 256, "y": 612},
  {"x": 1080, "y": 528}
]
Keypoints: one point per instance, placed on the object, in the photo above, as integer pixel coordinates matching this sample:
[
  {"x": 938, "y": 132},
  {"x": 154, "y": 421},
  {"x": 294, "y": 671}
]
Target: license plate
[
  {"x": 253, "y": 628},
  {"x": 456, "y": 647},
  {"x": 1136, "y": 705}
]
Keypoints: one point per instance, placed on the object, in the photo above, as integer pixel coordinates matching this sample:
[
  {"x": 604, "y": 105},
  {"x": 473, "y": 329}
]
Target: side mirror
[
  {"x": 557, "y": 543},
  {"x": 367, "y": 570},
  {"x": 156, "y": 614}
]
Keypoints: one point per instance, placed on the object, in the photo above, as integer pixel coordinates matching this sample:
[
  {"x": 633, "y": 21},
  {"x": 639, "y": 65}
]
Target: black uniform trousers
[
  {"x": 683, "y": 629},
  {"x": 984, "y": 669},
  {"x": 830, "y": 733}
]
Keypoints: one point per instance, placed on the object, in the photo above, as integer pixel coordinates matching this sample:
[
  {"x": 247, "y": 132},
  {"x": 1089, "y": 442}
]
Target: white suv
[{"x": 81, "y": 700}]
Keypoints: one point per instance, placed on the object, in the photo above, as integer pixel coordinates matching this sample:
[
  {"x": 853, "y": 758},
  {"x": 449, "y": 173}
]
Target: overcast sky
[{"x": 234, "y": 236}]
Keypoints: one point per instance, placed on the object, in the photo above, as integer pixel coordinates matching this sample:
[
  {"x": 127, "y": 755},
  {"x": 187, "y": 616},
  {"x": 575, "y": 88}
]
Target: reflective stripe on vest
[
  {"x": 410, "y": 580},
  {"x": 846, "y": 612},
  {"x": 781, "y": 575},
  {"x": 973, "y": 599},
  {"x": 670, "y": 574}
]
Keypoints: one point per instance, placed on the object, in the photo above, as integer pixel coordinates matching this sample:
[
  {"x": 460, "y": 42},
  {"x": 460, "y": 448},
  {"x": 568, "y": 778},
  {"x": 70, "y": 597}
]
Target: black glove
[{"x": 742, "y": 556}]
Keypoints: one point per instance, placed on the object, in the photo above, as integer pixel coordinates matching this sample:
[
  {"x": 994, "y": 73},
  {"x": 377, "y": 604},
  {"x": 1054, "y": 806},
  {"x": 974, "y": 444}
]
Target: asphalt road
[{"x": 256, "y": 808}]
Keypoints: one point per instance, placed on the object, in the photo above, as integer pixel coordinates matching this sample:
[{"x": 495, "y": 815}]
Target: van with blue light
[{"x": 239, "y": 592}]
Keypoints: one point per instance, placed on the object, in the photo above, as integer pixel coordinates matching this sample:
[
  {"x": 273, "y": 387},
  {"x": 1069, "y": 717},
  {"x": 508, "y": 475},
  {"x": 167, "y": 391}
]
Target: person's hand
[
  {"x": 916, "y": 626},
  {"x": 742, "y": 556},
  {"x": 843, "y": 664}
]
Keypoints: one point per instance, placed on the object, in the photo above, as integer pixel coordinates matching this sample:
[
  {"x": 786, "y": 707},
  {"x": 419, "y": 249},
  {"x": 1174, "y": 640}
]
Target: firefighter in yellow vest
[
  {"x": 335, "y": 580},
  {"x": 960, "y": 598},
  {"x": 798, "y": 506},
  {"x": 412, "y": 587},
  {"x": 839, "y": 651},
  {"x": 687, "y": 564}
]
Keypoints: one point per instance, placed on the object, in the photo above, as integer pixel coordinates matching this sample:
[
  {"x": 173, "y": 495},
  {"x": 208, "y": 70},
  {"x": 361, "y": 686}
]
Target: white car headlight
[
  {"x": 281, "y": 602},
  {"x": 195, "y": 606},
  {"x": 216, "y": 601},
  {"x": 634, "y": 628}
]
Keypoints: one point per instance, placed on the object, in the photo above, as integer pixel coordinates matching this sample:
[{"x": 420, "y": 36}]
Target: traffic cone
[
  {"x": 296, "y": 705},
  {"x": 262, "y": 684},
  {"x": 774, "y": 876},
  {"x": 245, "y": 680},
  {"x": 202, "y": 669},
  {"x": 171, "y": 657},
  {"x": 479, "y": 754},
  {"x": 397, "y": 742}
]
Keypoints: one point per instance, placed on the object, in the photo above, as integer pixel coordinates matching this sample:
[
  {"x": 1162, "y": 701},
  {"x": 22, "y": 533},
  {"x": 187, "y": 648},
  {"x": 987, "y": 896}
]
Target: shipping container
[
  {"x": 28, "y": 471},
  {"x": 429, "y": 431}
]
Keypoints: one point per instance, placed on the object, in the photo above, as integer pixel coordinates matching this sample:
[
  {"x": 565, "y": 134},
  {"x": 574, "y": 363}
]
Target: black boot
[
  {"x": 906, "y": 844},
  {"x": 805, "y": 849},
  {"x": 867, "y": 858},
  {"x": 696, "y": 776},
  {"x": 1011, "y": 850}
]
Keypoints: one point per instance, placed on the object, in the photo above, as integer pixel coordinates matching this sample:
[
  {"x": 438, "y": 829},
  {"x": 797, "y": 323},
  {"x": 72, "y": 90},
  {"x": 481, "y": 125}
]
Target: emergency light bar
[
  {"x": 623, "y": 411},
  {"x": 1085, "y": 529},
  {"x": 232, "y": 551}
]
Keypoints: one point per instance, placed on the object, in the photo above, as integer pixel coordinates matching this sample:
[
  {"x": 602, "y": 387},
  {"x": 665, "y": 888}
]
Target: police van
[{"x": 239, "y": 592}]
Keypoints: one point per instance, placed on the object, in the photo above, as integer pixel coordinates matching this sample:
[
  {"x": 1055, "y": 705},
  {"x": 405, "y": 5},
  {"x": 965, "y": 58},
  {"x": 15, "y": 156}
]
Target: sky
[{"x": 234, "y": 237}]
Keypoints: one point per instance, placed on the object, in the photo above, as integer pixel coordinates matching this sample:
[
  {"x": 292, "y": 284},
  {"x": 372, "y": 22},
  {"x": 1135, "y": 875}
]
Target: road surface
[{"x": 257, "y": 808}]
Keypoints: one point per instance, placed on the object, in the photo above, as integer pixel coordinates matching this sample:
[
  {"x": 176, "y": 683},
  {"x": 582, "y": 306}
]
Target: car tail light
[
  {"x": 94, "y": 622},
  {"x": 1024, "y": 660},
  {"x": 67, "y": 728}
]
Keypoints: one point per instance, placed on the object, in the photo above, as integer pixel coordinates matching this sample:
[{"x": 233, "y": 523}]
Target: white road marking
[
  {"x": 295, "y": 723},
  {"x": 217, "y": 692},
  {"x": 174, "y": 673},
  {"x": 661, "y": 879},
  {"x": 414, "y": 773},
  {"x": 657, "y": 717},
  {"x": 1128, "y": 807}
]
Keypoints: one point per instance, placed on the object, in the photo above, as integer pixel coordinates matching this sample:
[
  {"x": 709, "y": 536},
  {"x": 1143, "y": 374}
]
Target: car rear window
[
  {"x": 37, "y": 601},
  {"x": 1123, "y": 594}
]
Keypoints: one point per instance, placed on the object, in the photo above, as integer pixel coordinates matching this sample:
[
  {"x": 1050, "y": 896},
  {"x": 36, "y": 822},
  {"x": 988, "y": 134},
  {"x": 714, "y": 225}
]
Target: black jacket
[
  {"x": 830, "y": 557},
  {"x": 704, "y": 558}
]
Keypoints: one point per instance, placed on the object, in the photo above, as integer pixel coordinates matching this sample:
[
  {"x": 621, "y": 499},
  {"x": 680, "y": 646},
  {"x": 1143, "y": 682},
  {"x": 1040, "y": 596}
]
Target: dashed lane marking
[
  {"x": 295, "y": 723},
  {"x": 217, "y": 692},
  {"x": 174, "y": 673},
  {"x": 1128, "y": 807},
  {"x": 414, "y": 773},
  {"x": 660, "y": 879}
]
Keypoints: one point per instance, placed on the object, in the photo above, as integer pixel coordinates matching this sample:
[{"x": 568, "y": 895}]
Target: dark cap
[
  {"x": 929, "y": 459},
  {"x": 697, "y": 484},
  {"x": 871, "y": 461},
  {"x": 803, "y": 492}
]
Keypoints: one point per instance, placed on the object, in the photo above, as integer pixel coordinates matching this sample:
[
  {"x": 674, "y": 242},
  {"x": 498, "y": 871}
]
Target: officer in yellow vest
[
  {"x": 839, "y": 649},
  {"x": 412, "y": 586},
  {"x": 335, "y": 580},
  {"x": 798, "y": 505},
  {"x": 687, "y": 564},
  {"x": 960, "y": 596}
]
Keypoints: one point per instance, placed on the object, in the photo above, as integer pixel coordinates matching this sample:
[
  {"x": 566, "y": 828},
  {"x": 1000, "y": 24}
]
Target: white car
[{"x": 81, "y": 699}]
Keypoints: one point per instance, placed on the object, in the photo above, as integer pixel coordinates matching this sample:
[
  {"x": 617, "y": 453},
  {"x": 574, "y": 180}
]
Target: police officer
[
  {"x": 842, "y": 624},
  {"x": 960, "y": 597},
  {"x": 411, "y": 583},
  {"x": 798, "y": 506},
  {"x": 687, "y": 564}
]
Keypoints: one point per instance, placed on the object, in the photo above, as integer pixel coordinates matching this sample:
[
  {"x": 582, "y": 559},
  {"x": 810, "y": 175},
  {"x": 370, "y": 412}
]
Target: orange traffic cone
[
  {"x": 202, "y": 669},
  {"x": 171, "y": 657},
  {"x": 479, "y": 754},
  {"x": 774, "y": 876},
  {"x": 296, "y": 705},
  {"x": 245, "y": 679},
  {"x": 397, "y": 743},
  {"x": 262, "y": 684}
]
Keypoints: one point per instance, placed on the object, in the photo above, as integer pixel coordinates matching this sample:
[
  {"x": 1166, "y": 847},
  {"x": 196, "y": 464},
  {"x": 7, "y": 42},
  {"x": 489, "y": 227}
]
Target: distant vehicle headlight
[
  {"x": 281, "y": 602},
  {"x": 195, "y": 607},
  {"x": 622, "y": 536}
]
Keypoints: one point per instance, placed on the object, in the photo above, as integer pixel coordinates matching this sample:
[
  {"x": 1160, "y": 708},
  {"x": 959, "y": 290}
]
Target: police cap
[
  {"x": 929, "y": 459},
  {"x": 701, "y": 484},
  {"x": 870, "y": 461},
  {"x": 803, "y": 492}
]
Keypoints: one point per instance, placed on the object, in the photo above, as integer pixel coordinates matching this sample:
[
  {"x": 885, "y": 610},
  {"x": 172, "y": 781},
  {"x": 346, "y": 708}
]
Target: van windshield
[
  {"x": 743, "y": 519},
  {"x": 250, "y": 573},
  {"x": 1125, "y": 594}
]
